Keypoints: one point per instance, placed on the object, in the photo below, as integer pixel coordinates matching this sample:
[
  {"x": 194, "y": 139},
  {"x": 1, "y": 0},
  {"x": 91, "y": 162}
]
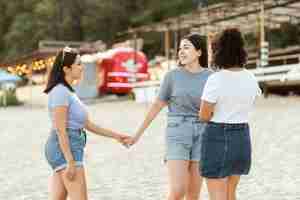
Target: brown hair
[
  {"x": 64, "y": 58},
  {"x": 229, "y": 51},
  {"x": 199, "y": 42}
]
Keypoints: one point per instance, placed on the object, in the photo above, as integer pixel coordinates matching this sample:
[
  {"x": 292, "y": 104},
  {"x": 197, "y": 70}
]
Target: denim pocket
[
  {"x": 52, "y": 150},
  {"x": 179, "y": 131},
  {"x": 83, "y": 136},
  {"x": 174, "y": 121},
  {"x": 76, "y": 140}
]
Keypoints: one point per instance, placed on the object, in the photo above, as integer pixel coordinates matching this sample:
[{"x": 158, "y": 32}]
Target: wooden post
[
  {"x": 265, "y": 90},
  {"x": 135, "y": 45},
  {"x": 175, "y": 44},
  {"x": 262, "y": 40},
  {"x": 210, "y": 38},
  {"x": 176, "y": 38},
  {"x": 209, "y": 49},
  {"x": 133, "y": 71},
  {"x": 262, "y": 33},
  {"x": 167, "y": 45},
  {"x": 262, "y": 22}
]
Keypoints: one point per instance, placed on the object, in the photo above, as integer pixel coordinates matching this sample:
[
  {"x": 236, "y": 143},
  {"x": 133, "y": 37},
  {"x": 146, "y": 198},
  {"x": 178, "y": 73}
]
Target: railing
[
  {"x": 49, "y": 46},
  {"x": 277, "y": 60}
]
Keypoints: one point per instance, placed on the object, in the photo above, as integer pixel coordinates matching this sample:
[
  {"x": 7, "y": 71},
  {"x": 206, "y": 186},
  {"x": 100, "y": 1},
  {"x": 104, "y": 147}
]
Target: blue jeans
[
  {"x": 183, "y": 138},
  {"x": 225, "y": 150},
  {"x": 54, "y": 155}
]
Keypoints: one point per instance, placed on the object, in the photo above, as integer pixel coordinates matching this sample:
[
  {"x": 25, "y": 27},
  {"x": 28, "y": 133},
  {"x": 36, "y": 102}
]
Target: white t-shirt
[{"x": 233, "y": 93}]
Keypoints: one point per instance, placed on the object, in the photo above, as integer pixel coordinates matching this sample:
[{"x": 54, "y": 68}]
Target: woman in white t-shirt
[{"x": 227, "y": 99}]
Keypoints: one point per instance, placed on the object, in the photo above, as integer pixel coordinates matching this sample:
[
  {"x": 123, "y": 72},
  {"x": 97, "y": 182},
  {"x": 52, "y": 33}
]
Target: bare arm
[
  {"x": 155, "y": 108},
  {"x": 206, "y": 111},
  {"x": 60, "y": 121},
  {"x": 90, "y": 126}
]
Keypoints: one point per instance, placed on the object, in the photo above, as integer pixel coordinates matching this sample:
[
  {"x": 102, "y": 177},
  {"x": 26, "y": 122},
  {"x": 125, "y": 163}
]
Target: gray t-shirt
[
  {"x": 60, "y": 95},
  {"x": 182, "y": 90}
]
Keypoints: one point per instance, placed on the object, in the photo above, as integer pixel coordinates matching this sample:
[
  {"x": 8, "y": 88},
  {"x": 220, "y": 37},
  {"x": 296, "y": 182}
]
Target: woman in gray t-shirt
[
  {"x": 181, "y": 91},
  {"x": 65, "y": 145}
]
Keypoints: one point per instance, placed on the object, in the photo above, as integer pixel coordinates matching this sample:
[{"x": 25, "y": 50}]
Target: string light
[{"x": 36, "y": 67}]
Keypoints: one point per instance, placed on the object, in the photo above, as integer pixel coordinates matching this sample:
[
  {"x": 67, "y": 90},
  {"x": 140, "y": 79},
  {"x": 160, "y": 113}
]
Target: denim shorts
[
  {"x": 225, "y": 150},
  {"x": 54, "y": 155},
  {"x": 183, "y": 138}
]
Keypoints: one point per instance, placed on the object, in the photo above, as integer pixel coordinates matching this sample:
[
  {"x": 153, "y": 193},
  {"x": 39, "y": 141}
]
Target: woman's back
[{"x": 234, "y": 93}]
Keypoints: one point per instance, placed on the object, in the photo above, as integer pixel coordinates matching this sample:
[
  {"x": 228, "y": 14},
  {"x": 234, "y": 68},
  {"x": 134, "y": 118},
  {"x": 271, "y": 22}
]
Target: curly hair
[{"x": 230, "y": 51}]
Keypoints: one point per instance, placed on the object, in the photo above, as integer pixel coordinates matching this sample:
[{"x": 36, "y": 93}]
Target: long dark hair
[
  {"x": 230, "y": 49},
  {"x": 200, "y": 43},
  {"x": 64, "y": 58}
]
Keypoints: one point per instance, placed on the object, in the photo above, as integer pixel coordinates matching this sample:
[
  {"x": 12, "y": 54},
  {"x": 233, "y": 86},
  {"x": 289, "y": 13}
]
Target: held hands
[
  {"x": 121, "y": 139},
  {"x": 126, "y": 140},
  {"x": 131, "y": 141}
]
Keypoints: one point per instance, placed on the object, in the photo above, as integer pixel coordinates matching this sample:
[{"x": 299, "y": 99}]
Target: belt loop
[{"x": 184, "y": 118}]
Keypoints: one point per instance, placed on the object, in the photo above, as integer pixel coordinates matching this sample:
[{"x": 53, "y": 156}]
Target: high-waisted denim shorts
[
  {"x": 225, "y": 150},
  {"x": 54, "y": 155},
  {"x": 183, "y": 138}
]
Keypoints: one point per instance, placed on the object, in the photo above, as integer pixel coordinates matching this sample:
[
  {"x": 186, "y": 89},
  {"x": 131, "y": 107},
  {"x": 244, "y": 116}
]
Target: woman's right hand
[
  {"x": 70, "y": 172},
  {"x": 131, "y": 141}
]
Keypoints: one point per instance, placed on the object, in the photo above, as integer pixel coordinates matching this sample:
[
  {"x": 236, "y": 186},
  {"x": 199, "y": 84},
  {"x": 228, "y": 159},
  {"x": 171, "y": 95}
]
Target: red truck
[{"x": 120, "y": 68}]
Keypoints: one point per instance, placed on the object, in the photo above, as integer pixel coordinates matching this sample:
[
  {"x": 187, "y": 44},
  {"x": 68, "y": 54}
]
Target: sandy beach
[{"x": 117, "y": 173}]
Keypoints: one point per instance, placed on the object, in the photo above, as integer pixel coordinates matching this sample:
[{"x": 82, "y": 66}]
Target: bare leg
[
  {"x": 217, "y": 188},
  {"x": 178, "y": 173},
  {"x": 77, "y": 189},
  {"x": 194, "y": 182},
  {"x": 232, "y": 185},
  {"x": 57, "y": 188}
]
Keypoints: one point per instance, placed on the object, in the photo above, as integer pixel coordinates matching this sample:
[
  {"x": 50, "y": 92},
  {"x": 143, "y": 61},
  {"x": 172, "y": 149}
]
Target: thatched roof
[{"x": 242, "y": 13}]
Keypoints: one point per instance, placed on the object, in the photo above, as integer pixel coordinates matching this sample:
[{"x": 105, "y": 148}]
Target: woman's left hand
[
  {"x": 131, "y": 140},
  {"x": 121, "y": 138}
]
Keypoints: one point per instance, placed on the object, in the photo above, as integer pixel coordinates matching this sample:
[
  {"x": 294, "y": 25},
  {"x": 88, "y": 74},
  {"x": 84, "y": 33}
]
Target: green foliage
[
  {"x": 11, "y": 99},
  {"x": 24, "y": 23},
  {"x": 22, "y": 32},
  {"x": 251, "y": 40},
  {"x": 287, "y": 35}
]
